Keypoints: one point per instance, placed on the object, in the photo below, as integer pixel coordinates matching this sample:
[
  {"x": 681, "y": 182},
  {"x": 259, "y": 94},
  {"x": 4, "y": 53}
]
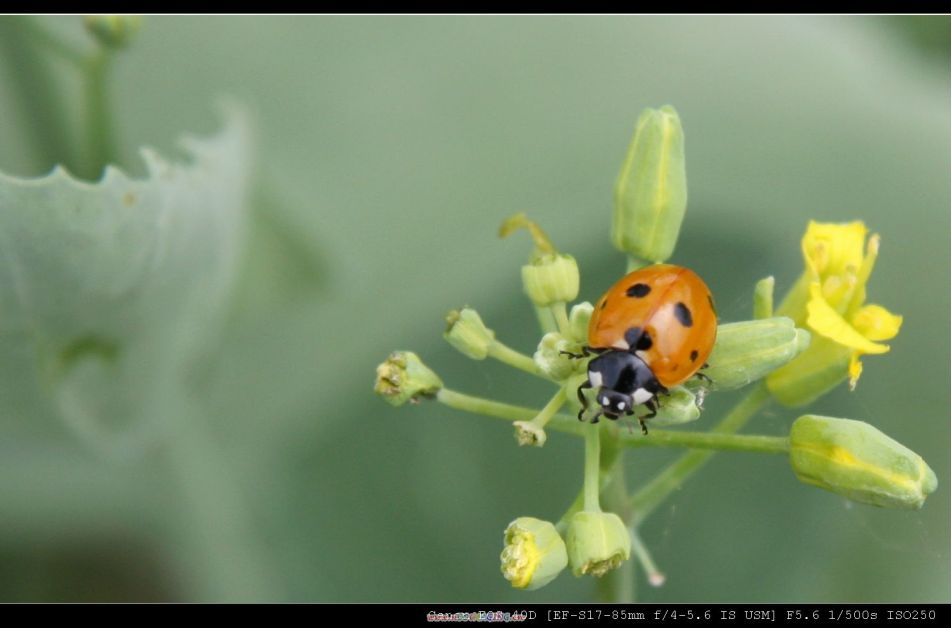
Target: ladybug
[{"x": 652, "y": 330}]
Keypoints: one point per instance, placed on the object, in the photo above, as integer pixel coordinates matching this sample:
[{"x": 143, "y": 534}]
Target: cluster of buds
[{"x": 809, "y": 345}]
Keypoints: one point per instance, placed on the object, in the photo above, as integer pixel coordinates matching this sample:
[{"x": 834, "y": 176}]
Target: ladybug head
[
  {"x": 614, "y": 403},
  {"x": 623, "y": 380}
]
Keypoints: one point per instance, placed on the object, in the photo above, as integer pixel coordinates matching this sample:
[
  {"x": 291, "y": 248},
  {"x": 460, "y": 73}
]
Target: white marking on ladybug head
[
  {"x": 595, "y": 378},
  {"x": 605, "y": 401},
  {"x": 642, "y": 396},
  {"x": 621, "y": 405}
]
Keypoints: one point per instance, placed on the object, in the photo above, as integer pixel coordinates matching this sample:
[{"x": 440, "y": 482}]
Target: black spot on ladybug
[
  {"x": 639, "y": 290},
  {"x": 645, "y": 342},
  {"x": 694, "y": 355},
  {"x": 604, "y": 304},
  {"x": 638, "y": 339},
  {"x": 682, "y": 312},
  {"x": 712, "y": 306}
]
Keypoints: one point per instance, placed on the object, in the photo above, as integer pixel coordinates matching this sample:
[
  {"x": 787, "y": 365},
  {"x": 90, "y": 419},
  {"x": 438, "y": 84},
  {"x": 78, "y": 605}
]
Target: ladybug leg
[
  {"x": 584, "y": 401},
  {"x": 652, "y": 406},
  {"x": 597, "y": 414},
  {"x": 703, "y": 377},
  {"x": 585, "y": 352}
]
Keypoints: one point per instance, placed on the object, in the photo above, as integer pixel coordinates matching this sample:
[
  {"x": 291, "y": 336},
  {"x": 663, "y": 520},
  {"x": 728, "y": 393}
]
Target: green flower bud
[
  {"x": 749, "y": 350},
  {"x": 528, "y": 433},
  {"x": 597, "y": 542},
  {"x": 650, "y": 196},
  {"x": 534, "y": 553},
  {"x": 403, "y": 377},
  {"x": 578, "y": 322},
  {"x": 678, "y": 407},
  {"x": 551, "y": 361},
  {"x": 466, "y": 332},
  {"x": 551, "y": 279},
  {"x": 763, "y": 298},
  {"x": 113, "y": 31},
  {"x": 812, "y": 374},
  {"x": 856, "y": 460}
]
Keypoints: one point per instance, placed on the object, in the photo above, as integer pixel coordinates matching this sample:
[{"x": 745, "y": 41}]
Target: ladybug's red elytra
[{"x": 651, "y": 330}]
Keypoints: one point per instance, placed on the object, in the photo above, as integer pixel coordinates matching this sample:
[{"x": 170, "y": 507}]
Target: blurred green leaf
[{"x": 108, "y": 288}]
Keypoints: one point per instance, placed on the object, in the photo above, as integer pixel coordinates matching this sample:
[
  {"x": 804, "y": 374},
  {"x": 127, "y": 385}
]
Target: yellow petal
[
  {"x": 865, "y": 271},
  {"x": 825, "y": 321},
  {"x": 831, "y": 248},
  {"x": 855, "y": 370},
  {"x": 876, "y": 323},
  {"x": 837, "y": 290}
]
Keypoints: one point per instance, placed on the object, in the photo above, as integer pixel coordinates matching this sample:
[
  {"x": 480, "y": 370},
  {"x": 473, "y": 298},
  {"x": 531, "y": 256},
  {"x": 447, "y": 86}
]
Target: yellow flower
[{"x": 829, "y": 300}]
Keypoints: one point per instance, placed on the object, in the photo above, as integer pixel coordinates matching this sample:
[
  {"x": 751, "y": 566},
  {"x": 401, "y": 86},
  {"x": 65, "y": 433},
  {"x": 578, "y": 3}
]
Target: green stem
[
  {"x": 592, "y": 468},
  {"x": 709, "y": 440},
  {"x": 546, "y": 319},
  {"x": 618, "y": 585},
  {"x": 716, "y": 440},
  {"x": 506, "y": 354},
  {"x": 622, "y": 583},
  {"x": 610, "y": 464},
  {"x": 552, "y": 407},
  {"x": 643, "y": 556},
  {"x": 100, "y": 138},
  {"x": 670, "y": 479},
  {"x": 575, "y": 507},
  {"x": 506, "y": 411},
  {"x": 635, "y": 263},
  {"x": 560, "y": 312}
]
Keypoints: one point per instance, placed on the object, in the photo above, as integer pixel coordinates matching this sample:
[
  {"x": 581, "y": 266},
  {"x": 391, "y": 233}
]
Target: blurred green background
[{"x": 388, "y": 150}]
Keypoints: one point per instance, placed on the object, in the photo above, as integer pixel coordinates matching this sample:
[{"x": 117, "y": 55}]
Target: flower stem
[
  {"x": 635, "y": 263},
  {"x": 592, "y": 468},
  {"x": 716, "y": 440},
  {"x": 554, "y": 404},
  {"x": 100, "y": 139},
  {"x": 709, "y": 440},
  {"x": 654, "y": 575},
  {"x": 560, "y": 312},
  {"x": 670, "y": 479},
  {"x": 610, "y": 468},
  {"x": 506, "y": 411},
  {"x": 576, "y": 506},
  {"x": 618, "y": 585},
  {"x": 504, "y": 353},
  {"x": 546, "y": 319}
]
